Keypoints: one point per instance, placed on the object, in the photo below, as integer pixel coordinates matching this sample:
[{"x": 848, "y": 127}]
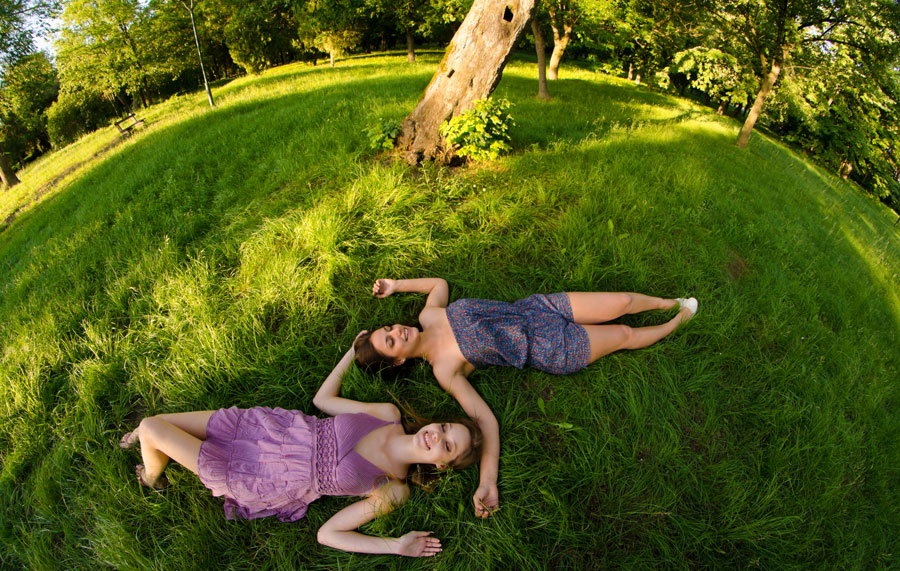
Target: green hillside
[{"x": 225, "y": 257}]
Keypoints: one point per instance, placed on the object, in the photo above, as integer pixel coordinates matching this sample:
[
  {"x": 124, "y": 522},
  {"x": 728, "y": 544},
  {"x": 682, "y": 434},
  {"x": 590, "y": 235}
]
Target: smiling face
[
  {"x": 395, "y": 341},
  {"x": 443, "y": 443}
]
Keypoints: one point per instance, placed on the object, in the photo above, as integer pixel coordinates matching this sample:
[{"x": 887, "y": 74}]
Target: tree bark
[
  {"x": 410, "y": 47},
  {"x": 541, "y": 49},
  {"x": 471, "y": 69},
  {"x": 560, "y": 43},
  {"x": 331, "y": 58},
  {"x": 767, "y": 84},
  {"x": 7, "y": 174},
  {"x": 630, "y": 71}
]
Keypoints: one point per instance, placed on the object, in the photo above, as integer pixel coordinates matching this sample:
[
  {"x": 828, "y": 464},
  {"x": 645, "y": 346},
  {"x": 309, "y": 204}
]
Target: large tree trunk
[
  {"x": 471, "y": 69},
  {"x": 767, "y": 84},
  {"x": 560, "y": 43},
  {"x": 7, "y": 174},
  {"x": 541, "y": 49},
  {"x": 410, "y": 47}
]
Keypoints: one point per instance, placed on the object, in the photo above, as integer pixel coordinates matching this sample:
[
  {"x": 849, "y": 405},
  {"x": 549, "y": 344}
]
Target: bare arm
[
  {"x": 437, "y": 289},
  {"x": 340, "y": 531},
  {"x": 486, "y": 498},
  {"x": 328, "y": 401}
]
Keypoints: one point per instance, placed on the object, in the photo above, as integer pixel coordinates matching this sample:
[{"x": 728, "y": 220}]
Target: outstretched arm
[
  {"x": 487, "y": 497},
  {"x": 340, "y": 531},
  {"x": 437, "y": 289},
  {"x": 328, "y": 401}
]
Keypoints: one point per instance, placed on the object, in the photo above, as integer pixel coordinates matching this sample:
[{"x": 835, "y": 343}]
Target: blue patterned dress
[{"x": 538, "y": 331}]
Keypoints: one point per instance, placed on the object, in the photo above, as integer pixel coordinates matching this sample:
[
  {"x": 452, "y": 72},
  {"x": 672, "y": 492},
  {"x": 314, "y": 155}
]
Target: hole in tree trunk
[
  {"x": 471, "y": 81},
  {"x": 507, "y": 15},
  {"x": 450, "y": 73}
]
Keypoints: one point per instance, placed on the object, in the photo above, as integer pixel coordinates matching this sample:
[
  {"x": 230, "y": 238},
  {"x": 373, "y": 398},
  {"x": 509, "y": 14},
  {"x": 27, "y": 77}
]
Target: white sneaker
[{"x": 691, "y": 303}]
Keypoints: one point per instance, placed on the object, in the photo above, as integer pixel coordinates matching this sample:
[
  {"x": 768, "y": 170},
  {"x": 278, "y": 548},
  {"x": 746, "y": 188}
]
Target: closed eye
[{"x": 444, "y": 430}]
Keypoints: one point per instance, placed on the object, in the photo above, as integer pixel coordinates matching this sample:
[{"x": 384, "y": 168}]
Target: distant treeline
[{"x": 834, "y": 68}]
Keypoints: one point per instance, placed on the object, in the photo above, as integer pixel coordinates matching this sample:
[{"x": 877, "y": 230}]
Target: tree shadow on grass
[
  {"x": 299, "y": 73},
  {"x": 598, "y": 108}
]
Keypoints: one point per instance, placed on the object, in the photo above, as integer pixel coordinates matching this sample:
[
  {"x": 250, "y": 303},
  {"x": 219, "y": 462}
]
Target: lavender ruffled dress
[{"x": 266, "y": 461}]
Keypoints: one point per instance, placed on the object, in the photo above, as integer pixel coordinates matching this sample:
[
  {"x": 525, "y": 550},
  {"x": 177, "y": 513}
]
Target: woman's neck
[
  {"x": 425, "y": 348},
  {"x": 401, "y": 449}
]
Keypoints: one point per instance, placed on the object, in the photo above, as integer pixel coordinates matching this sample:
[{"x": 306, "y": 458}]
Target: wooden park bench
[{"x": 128, "y": 123}]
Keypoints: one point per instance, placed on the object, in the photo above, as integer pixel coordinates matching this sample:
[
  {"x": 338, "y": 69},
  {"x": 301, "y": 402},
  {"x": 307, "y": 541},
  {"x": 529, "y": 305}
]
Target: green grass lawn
[{"x": 225, "y": 257}]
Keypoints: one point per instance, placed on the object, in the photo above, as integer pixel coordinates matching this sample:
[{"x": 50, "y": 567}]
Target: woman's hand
[
  {"x": 487, "y": 500},
  {"x": 418, "y": 544},
  {"x": 384, "y": 287}
]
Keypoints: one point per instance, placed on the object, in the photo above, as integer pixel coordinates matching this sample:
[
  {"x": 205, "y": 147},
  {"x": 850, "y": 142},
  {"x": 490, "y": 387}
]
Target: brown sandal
[{"x": 159, "y": 485}]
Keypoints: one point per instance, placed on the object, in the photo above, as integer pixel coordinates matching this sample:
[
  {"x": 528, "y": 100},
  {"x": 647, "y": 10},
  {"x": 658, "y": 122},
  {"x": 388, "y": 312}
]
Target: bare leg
[
  {"x": 600, "y": 307},
  {"x": 163, "y": 437},
  {"x": 605, "y": 339}
]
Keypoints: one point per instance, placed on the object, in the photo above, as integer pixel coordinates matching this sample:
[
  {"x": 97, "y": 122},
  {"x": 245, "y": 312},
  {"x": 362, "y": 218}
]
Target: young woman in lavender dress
[
  {"x": 559, "y": 333},
  {"x": 267, "y": 461}
]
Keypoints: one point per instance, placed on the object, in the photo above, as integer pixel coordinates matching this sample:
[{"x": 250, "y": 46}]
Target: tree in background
[
  {"x": 652, "y": 32},
  {"x": 15, "y": 43},
  {"x": 189, "y": 6},
  {"x": 715, "y": 73},
  {"x": 838, "y": 105},
  {"x": 772, "y": 31},
  {"x": 470, "y": 70},
  {"x": 27, "y": 88},
  {"x": 258, "y": 34},
  {"x": 540, "y": 46},
  {"x": 331, "y": 26},
  {"x": 103, "y": 48}
]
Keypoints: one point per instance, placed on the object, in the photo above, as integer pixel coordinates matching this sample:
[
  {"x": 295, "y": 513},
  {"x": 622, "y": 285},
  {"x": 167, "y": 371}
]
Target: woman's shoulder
[
  {"x": 431, "y": 316},
  {"x": 383, "y": 411}
]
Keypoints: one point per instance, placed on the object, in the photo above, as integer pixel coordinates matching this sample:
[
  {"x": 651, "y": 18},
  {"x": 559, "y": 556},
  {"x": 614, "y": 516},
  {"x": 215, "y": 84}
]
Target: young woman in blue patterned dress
[{"x": 560, "y": 333}]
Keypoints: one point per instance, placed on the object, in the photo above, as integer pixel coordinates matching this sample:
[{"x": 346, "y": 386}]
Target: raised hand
[
  {"x": 418, "y": 544},
  {"x": 487, "y": 500},
  {"x": 384, "y": 287}
]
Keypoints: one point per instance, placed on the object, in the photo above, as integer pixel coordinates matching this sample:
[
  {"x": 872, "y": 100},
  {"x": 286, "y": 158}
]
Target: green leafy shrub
[
  {"x": 75, "y": 114},
  {"x": 482, "y": 133},
  {"x": 383, "y": 135}
]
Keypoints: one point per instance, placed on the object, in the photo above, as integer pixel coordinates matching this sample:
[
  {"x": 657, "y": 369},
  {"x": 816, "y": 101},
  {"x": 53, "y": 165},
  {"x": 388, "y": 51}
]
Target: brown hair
[{"x": 367, "y": 356}]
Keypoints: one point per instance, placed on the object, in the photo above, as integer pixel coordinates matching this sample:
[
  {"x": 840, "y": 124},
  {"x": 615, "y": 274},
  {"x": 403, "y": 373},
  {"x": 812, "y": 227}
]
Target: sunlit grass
[{"x": 225, "y": 257}]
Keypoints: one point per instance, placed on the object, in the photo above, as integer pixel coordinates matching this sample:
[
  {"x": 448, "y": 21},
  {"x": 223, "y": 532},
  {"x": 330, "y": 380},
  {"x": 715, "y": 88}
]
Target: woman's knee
[
  {"x": 626, "y": 336},
  {"x": 623, "y": 302},
  {"x": 149, "y": 427}
]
